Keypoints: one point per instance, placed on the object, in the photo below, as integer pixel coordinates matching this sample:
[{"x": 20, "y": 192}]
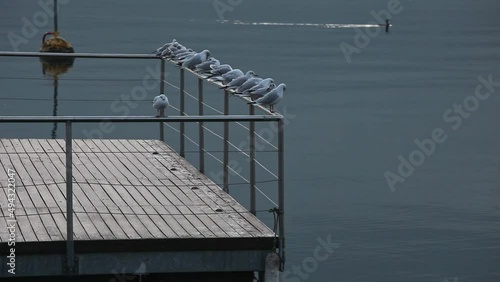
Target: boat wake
[{"x": 238, "y": 22}]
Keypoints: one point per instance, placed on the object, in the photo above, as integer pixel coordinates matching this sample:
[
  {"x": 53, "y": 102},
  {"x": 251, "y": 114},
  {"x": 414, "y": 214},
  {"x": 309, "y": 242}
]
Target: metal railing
[{"x": 183, "y": 117}]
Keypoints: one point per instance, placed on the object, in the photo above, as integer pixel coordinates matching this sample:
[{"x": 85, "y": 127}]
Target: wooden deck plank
[
  {"x": 177, "y": 226},
  {"x": 25, "y": 228},
  {"x": 78, "y": 209},
  {"x": 84, "y": 228},
  {"x": 2, "y": 148},
  {"x": 132, "y": 183},
  {"x": 89, "y": 161},
  {"x": 92, "y": 180},
  {"x": 40, "y": 194},
  {"x": 109, "y": 168},
  {"x": 121, "y": 191},
  {"x": 180, "y": 200},
  {"x": 24, "y": 201},
  {"x": 169, "y": 227},
  {"x": 186, "y": 184},
  {"x": 240, "y": 226},
  {"x": 93, "y": 229},
  {"x": 250, "y": 222}
]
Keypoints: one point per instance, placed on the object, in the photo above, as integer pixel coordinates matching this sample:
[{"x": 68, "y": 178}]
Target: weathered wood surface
[{"x": 123, "y": 189}]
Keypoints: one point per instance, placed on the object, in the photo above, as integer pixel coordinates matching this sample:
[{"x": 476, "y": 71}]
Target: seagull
[
  {"x": 237, "y": 82},
  {"x": 172, "y": 48},
  {"x": 196, "y": 59},
  {"x": 271, "y": 98},
  {"x": 253, "y": 81},
  {"x": 260, "y": 92},
  {"x": 164, "y": 47},
  {"x": 160, "y": 103},
  {"x": 220, "y": 70},
  {"x": 207, "y": 65},
  {"x": 264, "y": 84},
  {"x": 231, "y": 75}
]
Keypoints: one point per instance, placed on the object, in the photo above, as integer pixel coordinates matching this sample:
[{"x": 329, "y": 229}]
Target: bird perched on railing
[
  {"x": 260, "y": 91},
  {"x": 248, "y": 84},
  {"x": 196, "y": 59},
  {"x": 237, "y": 82},
  {"x": 217, "y": 72},
  {"x": 271, "y": 98},
  {"x": 160, "y": 103},
  {"x": 263, "y": 84},
  {"x": 160, "y": 50},
  {"x": 205, "y": 67}
]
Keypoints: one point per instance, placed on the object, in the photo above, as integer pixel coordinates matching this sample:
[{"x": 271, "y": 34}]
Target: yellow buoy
[{"x": 56, "y": 44}]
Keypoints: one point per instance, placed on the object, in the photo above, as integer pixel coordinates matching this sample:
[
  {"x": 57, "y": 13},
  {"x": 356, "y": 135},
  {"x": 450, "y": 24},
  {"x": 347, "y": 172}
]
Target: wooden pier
[
  {"x": 136, "y": 210},
  {"x": 139, "y": 208}
]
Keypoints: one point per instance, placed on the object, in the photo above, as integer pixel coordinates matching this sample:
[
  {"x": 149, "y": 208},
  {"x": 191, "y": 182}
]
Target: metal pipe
[
  {"x": 56, "y": 32},
  {"x": 162, "y": 77},
  {"x": 92, "y": 119},
  {"x": 281, "y": 189},
  {"x": 70, "y": 250},
  {"x": 252, "y": 161},
  {"x": 162, "y": 91},
  {"x": 79, "y": 55},
  {"x": 182, "y": 113},
  {"x": 162, "y": 132},
  {"x": 201, "y": 133},
  {"x": 226, "y": 144}
]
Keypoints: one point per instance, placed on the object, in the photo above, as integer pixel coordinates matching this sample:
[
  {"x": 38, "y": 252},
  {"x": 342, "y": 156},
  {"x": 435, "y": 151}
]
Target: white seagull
[
  {"x": 258, "y": 92},
  {"x": 164, "y": 47},
  {"x": 160, "y": 103},
  {"x": 197, "y": 59},
  {"x": 253, "y": 81},
  {"x": 237, "y": 82},
  {"x": 271, "y": 98},
  {"x": 264, "y": 84},
  {"x": 231, "y": 75}
]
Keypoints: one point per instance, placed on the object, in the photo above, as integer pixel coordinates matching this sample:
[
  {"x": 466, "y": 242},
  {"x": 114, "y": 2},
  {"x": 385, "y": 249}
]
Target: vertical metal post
[
  {"x": 226, "y": 143},
  {"x": 281, "y": 189},
  {"x": 200, "y": 126},
  {"x": 162, "y": 77},
  {"x": 56, "y": 30},
  {"x": 162, "y": 91},
  {"x": 252, "y": 161},
  {"x": 182, "y": 113},
  {"x": 70, "y": 251}
]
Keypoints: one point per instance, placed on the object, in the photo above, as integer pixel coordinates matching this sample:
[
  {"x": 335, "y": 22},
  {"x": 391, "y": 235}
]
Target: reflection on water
[
  {"x": 53, "y": 67},
  {"x": 53, "y": 134}
]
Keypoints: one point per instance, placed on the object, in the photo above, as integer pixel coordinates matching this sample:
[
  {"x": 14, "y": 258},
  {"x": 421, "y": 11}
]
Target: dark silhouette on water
[{"x": 387, "y": 24}]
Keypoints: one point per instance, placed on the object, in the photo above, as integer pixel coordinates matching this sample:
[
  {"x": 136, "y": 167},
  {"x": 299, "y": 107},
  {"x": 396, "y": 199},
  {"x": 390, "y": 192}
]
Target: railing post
[
  {"x": 182, "y": 113},
  {"x": 200, "y": 126},
  {"x": 162, "y": 91},
  {"x": 70, "y": 251},
  {"x": 162, "y": 77},
  {"x": 252, "y": 161},
  {"x": 226, "y": 144},
  {"x": 281, "y": 189}
]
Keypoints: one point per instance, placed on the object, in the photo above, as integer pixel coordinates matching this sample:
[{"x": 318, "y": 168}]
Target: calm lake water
[{"x": 350, "y": 121}]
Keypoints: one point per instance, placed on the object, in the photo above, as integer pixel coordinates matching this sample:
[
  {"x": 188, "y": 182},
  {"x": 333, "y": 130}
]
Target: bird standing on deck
[
  {"x": 271, "y": 98},
  {"x": 160, "y": 103}
]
